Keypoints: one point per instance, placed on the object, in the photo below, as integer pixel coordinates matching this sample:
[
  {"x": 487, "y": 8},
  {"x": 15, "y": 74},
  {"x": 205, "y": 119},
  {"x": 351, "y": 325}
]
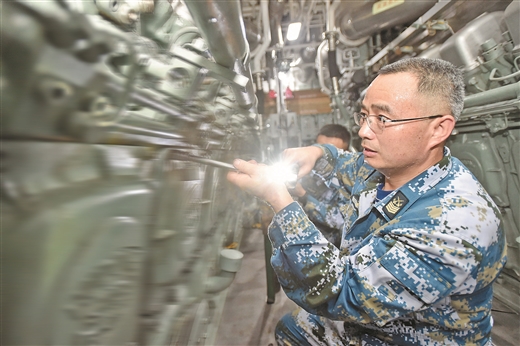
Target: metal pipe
[
  {"x": 331, "y": 36},
  {"x": 291, "y": 12},
  {"x": 230, "y": 262},
  {"x": 508, "y": 92},
  {"x": 493, "y": 72},
  {"x": 331, "y": 14},
  {"x": 352, "y": 43},
  {"x": 275, "y": 23},
  {"x": 138, "y": 125},
  {"x": 205, "y": 161},
  {"x": 334, "y": 72},
  {"x": 319, "y": 61},
  {"x": 308, "y": 19},
  {"x": 409, "y": 31},
  {"x": 145, "y": 98},
  {"x": 222, "y": 27},
  {"x": 259, "y": 53},
  {"x": 363, "y": 19},
  {"x": 219, "y": 282}
]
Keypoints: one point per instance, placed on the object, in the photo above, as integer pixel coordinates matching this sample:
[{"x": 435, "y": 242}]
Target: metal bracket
[
  {"x": 408, "y": 32},
  {"x": 214, "y": 70},
  {"x": 495, "y": 124}
]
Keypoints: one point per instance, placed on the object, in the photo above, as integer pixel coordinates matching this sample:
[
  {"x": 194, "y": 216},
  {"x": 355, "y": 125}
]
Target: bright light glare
[
  {"x": 293, "y": 31},
  {"x": 282, "y": 76},
  {"x": 296, "y": 62},
  {"x": 284, "y": 173}
]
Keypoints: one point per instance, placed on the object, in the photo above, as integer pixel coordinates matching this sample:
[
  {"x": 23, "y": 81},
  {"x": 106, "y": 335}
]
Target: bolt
[
  {"x": 55, "y": 90},
  {"x": 99, "y": 105},
  {"x": 114, "y": 5}
]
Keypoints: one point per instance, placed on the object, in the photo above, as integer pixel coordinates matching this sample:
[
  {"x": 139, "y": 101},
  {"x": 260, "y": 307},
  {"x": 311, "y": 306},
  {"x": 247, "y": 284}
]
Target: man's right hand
[{"x": 262, "y": 181}]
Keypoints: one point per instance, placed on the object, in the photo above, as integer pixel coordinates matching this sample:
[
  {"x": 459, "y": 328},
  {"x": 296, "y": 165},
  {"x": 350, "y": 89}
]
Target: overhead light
[
  {"x": 282, "y": 76},
  {"x": 293, "y": 31}
]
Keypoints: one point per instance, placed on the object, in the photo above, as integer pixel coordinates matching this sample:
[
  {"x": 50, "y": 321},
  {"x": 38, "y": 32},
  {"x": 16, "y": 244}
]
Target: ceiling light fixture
[{"x": 293, "y": 31}]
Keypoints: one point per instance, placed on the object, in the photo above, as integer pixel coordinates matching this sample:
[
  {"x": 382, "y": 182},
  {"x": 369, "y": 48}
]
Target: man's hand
[
  {"x": 266, "y": 182},
  {"x": 262, "y": 181},
  {"x": 305, "y": 158}
]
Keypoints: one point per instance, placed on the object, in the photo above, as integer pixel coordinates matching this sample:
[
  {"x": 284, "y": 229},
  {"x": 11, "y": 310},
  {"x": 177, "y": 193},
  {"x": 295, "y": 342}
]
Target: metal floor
[{"x": 247, "y": 320}]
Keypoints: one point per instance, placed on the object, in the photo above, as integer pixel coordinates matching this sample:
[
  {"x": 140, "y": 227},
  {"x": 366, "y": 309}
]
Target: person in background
[
  {"x": 334, "y": 134},
  {"x": 322, "y": 204},
  {"x": 423, "y": 241}
]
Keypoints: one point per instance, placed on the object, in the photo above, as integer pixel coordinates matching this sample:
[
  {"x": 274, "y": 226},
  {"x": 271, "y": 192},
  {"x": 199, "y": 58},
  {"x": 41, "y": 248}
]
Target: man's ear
[{"x": 442, "y": 128}]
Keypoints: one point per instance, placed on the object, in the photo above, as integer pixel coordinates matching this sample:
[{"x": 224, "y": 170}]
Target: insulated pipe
[
  {"x": 260, "y": 95},
  {"x": 275, "y": 16},
  {"x": 361, "y": 21},
  {"x": 331, "y": 36},
  {"x": 331, "y": 26},
  {"x": 222, "y": 27},
  {"x": 333, "y": 65},
  {"x": 259, "y": 53},
  {"x": 505, "y": 93}
]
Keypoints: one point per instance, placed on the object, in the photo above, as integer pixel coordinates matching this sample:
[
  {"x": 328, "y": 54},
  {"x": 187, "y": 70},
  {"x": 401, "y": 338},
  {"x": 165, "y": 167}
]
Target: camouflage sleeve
[
  {"x": 325, "y": 165},
  {"x": 338, "y": 168},
  {"x": 326, "y": 212},
  {"x": 384, "y": 279},
  {"x": 314, "y": 274},
  {"x": 296, "y": 246}
]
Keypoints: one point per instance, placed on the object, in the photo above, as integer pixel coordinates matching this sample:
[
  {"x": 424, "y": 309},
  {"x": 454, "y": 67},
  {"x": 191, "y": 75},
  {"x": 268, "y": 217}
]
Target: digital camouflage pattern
[
  {"x": 322, "y": 206},
  {"x": 416, "y": 267}
]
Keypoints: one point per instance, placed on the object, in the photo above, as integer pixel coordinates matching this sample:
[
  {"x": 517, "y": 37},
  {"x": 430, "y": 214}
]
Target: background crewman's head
[{"x": 334, "y": 134}]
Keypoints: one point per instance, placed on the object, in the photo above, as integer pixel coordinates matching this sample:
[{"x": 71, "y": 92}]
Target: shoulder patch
[{"x": 395, "y": 204}]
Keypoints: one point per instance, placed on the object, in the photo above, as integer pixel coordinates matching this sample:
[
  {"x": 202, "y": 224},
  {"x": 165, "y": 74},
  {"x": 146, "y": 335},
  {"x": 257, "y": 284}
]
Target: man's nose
[{"x": 365, "y": 131}]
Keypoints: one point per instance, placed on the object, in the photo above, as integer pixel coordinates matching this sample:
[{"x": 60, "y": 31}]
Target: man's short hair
[
  {"x": 437, "y": 78},
  {"x": 336, "y": 131}
]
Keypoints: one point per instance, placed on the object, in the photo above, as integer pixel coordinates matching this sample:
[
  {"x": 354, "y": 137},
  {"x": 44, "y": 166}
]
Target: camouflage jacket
[
  {"x": 322, "y": 205},
  {"x": 416, "y": 267}
]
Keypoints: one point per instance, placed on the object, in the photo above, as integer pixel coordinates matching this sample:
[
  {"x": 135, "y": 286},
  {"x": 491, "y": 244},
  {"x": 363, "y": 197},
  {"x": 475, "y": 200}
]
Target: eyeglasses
[{"x": 377, "y": 123}]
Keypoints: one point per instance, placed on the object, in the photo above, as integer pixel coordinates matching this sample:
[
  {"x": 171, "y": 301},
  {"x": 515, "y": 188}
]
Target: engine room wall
[{"x": 118, "y": 226}]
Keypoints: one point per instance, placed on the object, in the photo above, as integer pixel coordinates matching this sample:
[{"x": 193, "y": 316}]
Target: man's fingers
[
  {"x": 237, "y": 178},
  {"x": 245, "y": 167},
  {"x": 232, "y": 177},
  {"x": 246, "y": 171}
]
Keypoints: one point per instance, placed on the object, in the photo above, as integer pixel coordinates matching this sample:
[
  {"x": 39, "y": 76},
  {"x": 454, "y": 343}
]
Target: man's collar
[{"x": 403, "y": 197}]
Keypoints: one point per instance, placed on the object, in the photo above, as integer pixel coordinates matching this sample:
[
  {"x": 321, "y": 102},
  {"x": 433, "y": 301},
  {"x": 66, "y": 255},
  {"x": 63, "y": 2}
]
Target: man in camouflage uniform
[
  {"x": 320, "y": 202},
  {"x": 422, "y": 240}
]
